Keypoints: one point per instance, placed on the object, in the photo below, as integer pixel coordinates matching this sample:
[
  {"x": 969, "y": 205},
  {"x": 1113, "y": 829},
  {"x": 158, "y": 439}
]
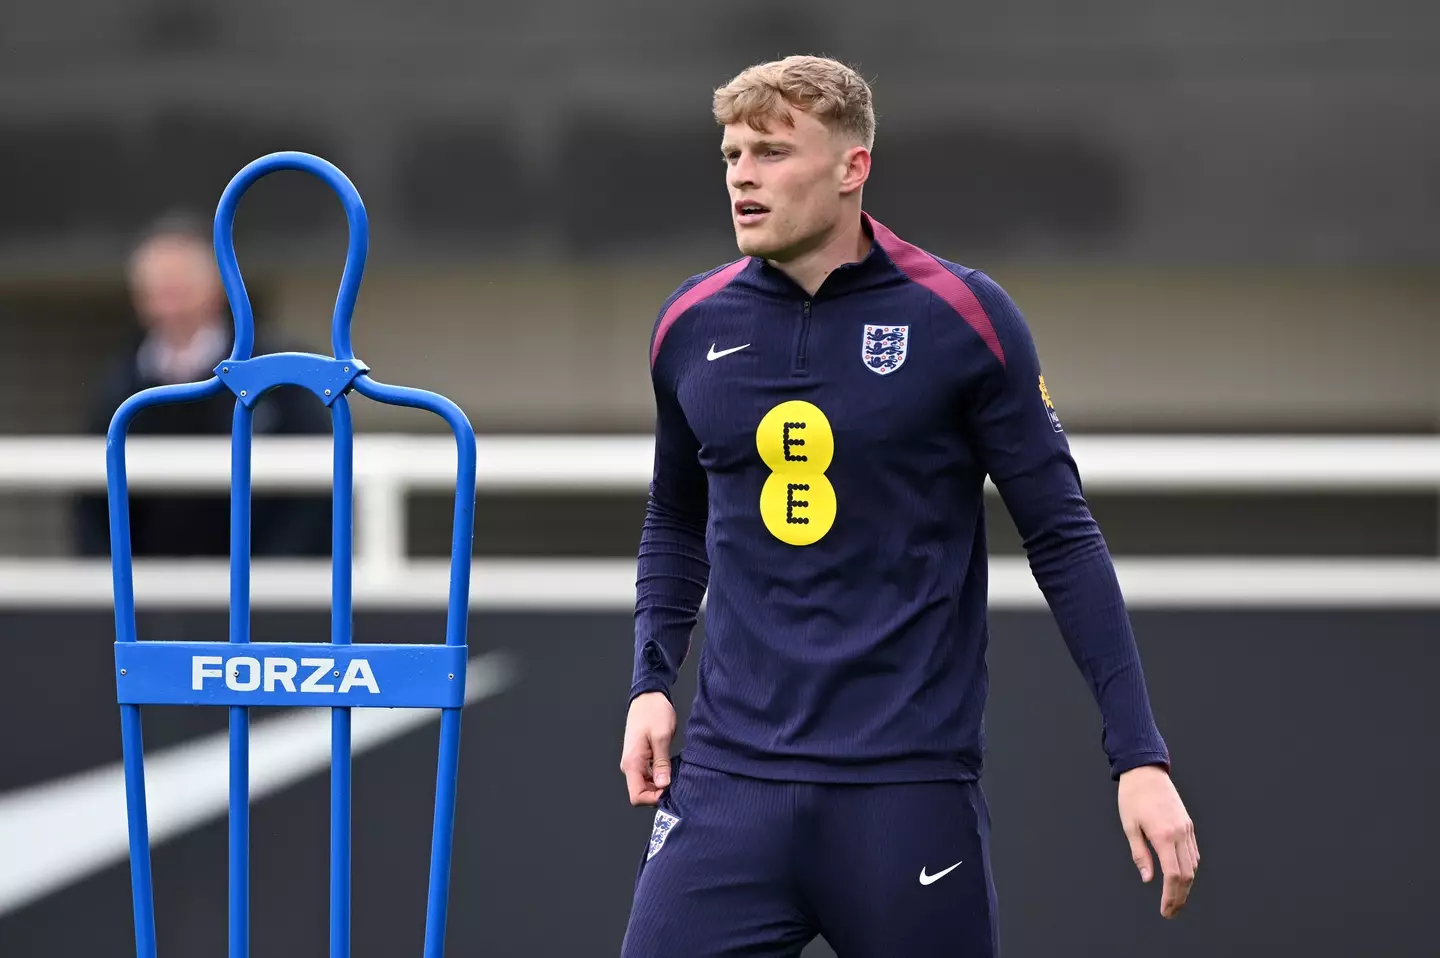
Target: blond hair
[{"x": 827, "y": 89}]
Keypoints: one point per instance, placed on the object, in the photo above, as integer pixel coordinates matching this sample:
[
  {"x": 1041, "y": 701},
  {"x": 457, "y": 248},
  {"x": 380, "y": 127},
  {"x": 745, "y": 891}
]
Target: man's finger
[
  {"x": 634, "y": 780},
  {"x": 642, "y": 790},
  {"x": 1177, "y": 877},
  {"x": 633, "y": 765},
  {"x": 1139, "y": 852},
  {"x": 1188, "y": 855}
]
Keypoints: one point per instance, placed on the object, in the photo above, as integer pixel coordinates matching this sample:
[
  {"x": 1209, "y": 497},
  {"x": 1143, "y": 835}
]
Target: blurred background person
[{"x": 185, "y": 330}]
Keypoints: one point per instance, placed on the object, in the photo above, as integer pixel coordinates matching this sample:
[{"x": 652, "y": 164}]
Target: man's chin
[{"x": 755, "y": 243}]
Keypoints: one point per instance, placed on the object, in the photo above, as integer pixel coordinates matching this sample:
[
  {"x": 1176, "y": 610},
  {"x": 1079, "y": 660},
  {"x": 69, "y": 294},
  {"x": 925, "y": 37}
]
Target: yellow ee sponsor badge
[{"x": 795, "y": 441}]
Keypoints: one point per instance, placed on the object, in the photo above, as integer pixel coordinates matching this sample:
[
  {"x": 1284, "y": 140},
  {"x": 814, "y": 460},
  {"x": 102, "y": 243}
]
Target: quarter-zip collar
[{"x": 873, "y": 270}]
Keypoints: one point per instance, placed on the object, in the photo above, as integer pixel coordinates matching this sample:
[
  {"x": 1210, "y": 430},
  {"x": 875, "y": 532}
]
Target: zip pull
[{"x": 802, "y": 341}]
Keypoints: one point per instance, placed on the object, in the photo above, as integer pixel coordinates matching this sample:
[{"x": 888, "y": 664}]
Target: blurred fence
[{"x": 389, "y": 469}]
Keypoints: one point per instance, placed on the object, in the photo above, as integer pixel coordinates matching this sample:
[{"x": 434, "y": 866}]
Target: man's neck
[{"x": 848, "y": 243}]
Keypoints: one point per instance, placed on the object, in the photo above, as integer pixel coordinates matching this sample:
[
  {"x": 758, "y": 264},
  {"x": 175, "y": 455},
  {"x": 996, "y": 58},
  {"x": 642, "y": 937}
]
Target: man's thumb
[
  {"x": 1139, "y": 851},
  {"x": 661, "y": 761}
]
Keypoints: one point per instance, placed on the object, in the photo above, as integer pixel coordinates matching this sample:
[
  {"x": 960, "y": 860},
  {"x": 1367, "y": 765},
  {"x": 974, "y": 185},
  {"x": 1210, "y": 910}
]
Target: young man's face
[{"x": 785, "y": 185}]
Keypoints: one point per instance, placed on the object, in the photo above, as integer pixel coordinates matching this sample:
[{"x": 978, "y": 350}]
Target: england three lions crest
[
  {"x": 883, "y": 348},
  {"x": 664, "y": 822}
]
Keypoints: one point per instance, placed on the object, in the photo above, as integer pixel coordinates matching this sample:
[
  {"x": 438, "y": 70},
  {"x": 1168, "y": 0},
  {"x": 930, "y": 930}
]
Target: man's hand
[
  {"x": 1150, "y": 808},
  {"x": 646, "y": 757}
]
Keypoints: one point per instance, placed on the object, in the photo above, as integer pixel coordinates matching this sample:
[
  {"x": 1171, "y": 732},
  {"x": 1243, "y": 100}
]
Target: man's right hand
[{"x": 646, "y": 757}]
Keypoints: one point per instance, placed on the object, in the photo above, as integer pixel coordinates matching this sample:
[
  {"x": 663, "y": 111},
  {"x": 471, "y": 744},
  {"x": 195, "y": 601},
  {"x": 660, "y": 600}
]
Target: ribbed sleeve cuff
[{"x": 1124, "y": 763}]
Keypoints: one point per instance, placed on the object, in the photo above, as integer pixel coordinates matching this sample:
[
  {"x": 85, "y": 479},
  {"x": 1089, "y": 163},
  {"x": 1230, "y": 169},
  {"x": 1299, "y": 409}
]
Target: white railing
[{"x": 387, "y": 467}]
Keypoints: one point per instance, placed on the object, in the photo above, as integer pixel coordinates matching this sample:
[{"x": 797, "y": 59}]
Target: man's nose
[{"x": 742, "y": 174}]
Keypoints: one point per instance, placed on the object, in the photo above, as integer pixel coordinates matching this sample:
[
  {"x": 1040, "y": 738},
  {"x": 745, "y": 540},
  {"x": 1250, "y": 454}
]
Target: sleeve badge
[{"x": 1050, "y": 407}]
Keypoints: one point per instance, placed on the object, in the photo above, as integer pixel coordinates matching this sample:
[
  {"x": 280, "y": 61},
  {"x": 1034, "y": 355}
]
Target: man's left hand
[{"x": 1150, "y": 808}]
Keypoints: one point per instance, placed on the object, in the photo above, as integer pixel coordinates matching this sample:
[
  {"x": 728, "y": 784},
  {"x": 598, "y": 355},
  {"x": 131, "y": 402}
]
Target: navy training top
[{"x": 819, "y": 466}]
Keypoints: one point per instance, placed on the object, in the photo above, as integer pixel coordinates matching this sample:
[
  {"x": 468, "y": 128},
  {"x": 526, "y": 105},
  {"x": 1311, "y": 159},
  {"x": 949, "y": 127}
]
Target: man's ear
[{"x": 856, "y": 169}]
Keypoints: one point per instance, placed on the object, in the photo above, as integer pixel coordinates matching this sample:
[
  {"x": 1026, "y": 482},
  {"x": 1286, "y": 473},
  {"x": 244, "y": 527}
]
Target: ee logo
[{"x": 798, "y": 502}]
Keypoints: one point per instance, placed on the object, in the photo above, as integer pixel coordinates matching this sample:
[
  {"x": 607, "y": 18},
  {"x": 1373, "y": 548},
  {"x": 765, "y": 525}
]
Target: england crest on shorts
[
  {"x": 883, "y": 348},
  {"x": 664, "y": 822}
]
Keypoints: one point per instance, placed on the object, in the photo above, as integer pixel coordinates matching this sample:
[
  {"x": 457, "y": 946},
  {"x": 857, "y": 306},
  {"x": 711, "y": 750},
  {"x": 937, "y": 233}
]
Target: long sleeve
[
  {"x": 1026, "y": 454},
  {"x": 673, "y": 568}
]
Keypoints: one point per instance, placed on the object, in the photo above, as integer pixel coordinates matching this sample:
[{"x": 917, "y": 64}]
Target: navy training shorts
[{"x": 744, "y": 866}]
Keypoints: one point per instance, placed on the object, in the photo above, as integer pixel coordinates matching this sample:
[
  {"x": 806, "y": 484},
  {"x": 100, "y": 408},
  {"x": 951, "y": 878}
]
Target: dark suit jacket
[{"x": 177, "y": 524}]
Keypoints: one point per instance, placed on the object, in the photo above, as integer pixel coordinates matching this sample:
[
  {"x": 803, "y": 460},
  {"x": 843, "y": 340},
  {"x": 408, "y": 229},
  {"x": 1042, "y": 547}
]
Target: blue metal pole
[
  {"x": 446, "y": 779},
  {"x": 341, "y": 623},
  {"x": 122, "y": 574},
  {"x": 461, "y": 545},
  {"x": 240, "y": 447},
  {"x": 142, "y": 892},
  {"x": 131, "y": 740}
]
